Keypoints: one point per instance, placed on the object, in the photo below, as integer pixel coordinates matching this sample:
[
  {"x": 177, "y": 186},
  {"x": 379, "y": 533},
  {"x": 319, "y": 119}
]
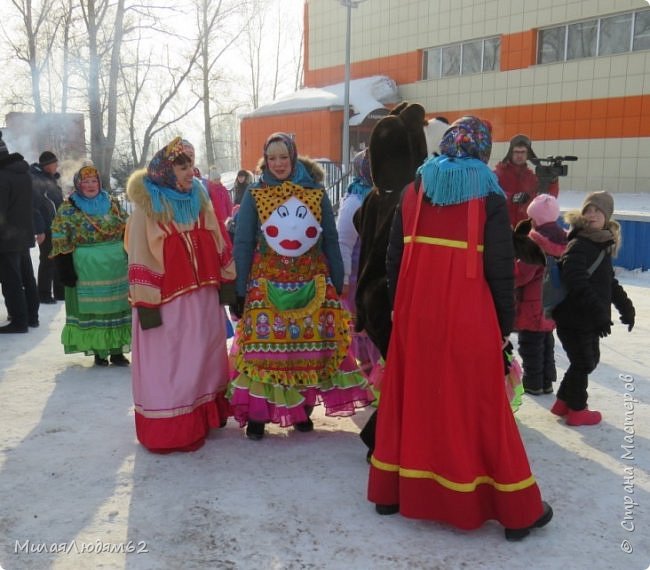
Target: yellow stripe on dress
[
  {"x": 460, "y": 487},
  {"x": 440, "y": 241}
]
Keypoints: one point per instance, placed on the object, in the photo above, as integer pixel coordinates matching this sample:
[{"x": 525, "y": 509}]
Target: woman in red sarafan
[{"x": 441, "y": 454}]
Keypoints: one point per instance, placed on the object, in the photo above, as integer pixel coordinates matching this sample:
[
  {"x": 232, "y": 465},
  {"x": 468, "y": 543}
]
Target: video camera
[{"x": 549, "y": 172}]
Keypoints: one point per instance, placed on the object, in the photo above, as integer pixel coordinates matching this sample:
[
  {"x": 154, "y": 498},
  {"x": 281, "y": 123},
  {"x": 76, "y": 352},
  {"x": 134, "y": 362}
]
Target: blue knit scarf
[
  {"x": 185, "y": 207},
  {"x": 451, "y": 180},
  {"x": 96, "y": 206}
]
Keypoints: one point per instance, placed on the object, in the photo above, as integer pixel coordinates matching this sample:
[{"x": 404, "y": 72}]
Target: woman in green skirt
[{"x": 88, "y": 246}]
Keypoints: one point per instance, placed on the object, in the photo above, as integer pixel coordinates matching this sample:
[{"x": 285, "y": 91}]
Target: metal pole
[{"x": 345, "y": 156}]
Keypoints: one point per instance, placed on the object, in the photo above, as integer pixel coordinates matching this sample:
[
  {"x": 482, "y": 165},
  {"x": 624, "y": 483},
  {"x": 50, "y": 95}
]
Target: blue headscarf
[
  {"x": 100, "y": 204},
  {"x": 161, "y": 182}
]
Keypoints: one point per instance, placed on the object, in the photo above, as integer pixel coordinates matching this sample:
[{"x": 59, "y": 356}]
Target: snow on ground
[{"x": 78, "y": 492}]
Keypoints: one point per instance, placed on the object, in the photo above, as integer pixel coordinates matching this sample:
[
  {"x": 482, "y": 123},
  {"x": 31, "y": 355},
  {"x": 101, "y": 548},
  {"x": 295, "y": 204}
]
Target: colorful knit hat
[
  {"x": 161, "y": 167},
  {"x": 601, "y": 200},
  {"x": 361, "y": 167},
  {"x": 82, "y": 174},
  {"x": 468, "y": 137},
  {"x": 288, "y": 141},
  {"x": 543, "y": 209}
]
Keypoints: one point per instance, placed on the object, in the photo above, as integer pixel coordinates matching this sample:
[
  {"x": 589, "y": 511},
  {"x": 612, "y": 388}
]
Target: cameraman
[{"x": 518, "y": 181}]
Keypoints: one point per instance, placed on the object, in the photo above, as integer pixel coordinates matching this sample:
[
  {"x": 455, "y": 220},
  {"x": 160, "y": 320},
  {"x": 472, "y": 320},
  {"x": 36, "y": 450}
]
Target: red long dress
[{"x": 448, "y": 448}]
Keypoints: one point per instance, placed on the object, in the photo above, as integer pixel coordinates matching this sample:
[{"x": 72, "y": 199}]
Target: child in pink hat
[{"x": 536, "y": 341}]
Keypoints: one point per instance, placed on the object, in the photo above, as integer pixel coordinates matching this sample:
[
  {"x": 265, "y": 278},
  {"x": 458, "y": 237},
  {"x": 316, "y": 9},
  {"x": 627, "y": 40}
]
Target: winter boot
[
  {"x": 560, "y": 408},
  {"x": 584, "y": 417}
]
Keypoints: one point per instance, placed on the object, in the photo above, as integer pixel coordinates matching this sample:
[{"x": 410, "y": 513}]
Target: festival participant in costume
[
  {"x": 438, "y": 456},
  {"x": 293, "y": 334},
  {"x": 180, "y": 265},
  {"x": 535, "y": 330},
  {"x": 398, "y": 146},
  {"x": 88, "y": 248},
  {"x": 584, "y": 317},
  {"x": 363, "y": 350},
  {"x": 518, "y": 181}
]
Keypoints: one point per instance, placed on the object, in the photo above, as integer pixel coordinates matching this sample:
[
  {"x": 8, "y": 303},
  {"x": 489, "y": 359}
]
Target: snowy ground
[{"x": 78, "y": 492}]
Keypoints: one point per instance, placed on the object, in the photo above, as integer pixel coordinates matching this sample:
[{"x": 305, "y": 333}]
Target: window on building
[
  {"x": 620, "y": 33},
  {"x": 641, "y": 31},
  {"x": 464, "y": 58}
]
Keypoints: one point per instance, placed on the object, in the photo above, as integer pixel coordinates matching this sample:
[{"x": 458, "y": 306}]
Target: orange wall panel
[
  {"x": 617, "y": 117},
  {"x": 518, "y": 50},
  {"x": 403, "y": 68},
  {"x": 317, "y": 134}
]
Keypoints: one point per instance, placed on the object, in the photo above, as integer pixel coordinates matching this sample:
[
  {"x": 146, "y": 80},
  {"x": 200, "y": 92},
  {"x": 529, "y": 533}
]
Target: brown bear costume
[{"x": 398, "y": 146}]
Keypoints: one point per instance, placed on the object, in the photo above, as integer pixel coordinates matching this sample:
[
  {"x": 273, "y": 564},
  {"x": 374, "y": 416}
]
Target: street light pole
[{"x": 345, "y": 154}]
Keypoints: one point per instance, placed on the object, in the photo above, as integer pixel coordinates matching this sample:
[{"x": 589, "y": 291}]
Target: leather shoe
[
  {"x": 48, "y": 301},
  {"x": 34, "y": 324},
  {"x": 517, "y": 534},
  {"x": 119, "y": 360},
  {"x": 13, "y": 328},
  {"x": 255, "y": 430},
  {"x": 99, "y": 361},
  {"x": 386, "y": 509}
]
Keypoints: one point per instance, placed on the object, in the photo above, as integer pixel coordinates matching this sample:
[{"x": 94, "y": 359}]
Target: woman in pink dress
[{"x": 180, "y": 265}]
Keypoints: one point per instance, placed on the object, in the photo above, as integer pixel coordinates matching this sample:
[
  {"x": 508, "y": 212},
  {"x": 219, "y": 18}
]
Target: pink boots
[
  {"x": 584, "y": 417},
  {"x": 560, "y": 408}
]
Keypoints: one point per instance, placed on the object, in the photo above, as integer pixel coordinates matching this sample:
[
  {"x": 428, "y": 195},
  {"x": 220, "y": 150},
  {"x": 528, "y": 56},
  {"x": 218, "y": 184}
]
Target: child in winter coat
[
  {"x": 536, "y": 342},
  {"x": 584, "y": 317}
]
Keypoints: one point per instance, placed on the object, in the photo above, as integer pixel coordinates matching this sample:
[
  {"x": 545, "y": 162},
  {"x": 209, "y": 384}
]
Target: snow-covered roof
[{"x": 366, "y": 95}]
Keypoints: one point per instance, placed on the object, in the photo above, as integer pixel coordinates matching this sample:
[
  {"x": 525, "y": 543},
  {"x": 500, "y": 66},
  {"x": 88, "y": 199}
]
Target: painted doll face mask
[{"x": 291, "y": 229}]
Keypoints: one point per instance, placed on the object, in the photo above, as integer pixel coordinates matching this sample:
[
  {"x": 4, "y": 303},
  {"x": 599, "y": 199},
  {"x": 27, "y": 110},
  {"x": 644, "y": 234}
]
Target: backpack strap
[{"x": 596, "y": 263}]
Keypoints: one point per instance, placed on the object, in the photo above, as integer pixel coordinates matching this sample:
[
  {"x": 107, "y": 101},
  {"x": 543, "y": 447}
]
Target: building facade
[{"x": 573, "y": 75}]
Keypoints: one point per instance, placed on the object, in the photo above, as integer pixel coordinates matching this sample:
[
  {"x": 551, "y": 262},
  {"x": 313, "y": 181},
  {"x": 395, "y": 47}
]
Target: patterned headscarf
[
  {"x": 95, "y": 206},
  {"x": 83, "y": 173},
  {"x": 161, "y": 167},
  {"x": 288, "y": 142},
  {"x": 361, "y": 167},
  {"x": 468, "y": 137}
]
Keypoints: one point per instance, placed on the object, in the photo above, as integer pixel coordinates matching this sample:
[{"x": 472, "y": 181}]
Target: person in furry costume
[
  {"x": 584, "y": 317},
  {"x": 397, "y": 147},
  {"x": 180, "y": 271}
]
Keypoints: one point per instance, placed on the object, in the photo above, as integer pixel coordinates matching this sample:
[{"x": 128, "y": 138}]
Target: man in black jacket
[
  {"x": 16, "y": 238},
  {"x": 47, "y": 198}
]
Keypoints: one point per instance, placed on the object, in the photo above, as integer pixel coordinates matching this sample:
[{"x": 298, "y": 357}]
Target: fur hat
[
  {"x": 397, "y": 147},
  {"x": 601, "y": 200},
  {"x": 46, "y": 158},
  {"x": 519, "y": 140},
  {"x": 4, "y": 151},
  {"x": 543, "y": 210}
]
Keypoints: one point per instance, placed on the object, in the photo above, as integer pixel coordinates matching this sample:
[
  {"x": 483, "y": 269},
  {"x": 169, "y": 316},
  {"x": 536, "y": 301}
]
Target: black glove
[
  {"x": 149, "y": 317},
  {"x": 65, "y": 268},
  {"x": 627, "y": 317},
  {"x": 237, "y": 308},
  {"x": 605, "y": 330},
  {"x": 227, "y": 294},
  {"x": 521, "y": 198}
]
